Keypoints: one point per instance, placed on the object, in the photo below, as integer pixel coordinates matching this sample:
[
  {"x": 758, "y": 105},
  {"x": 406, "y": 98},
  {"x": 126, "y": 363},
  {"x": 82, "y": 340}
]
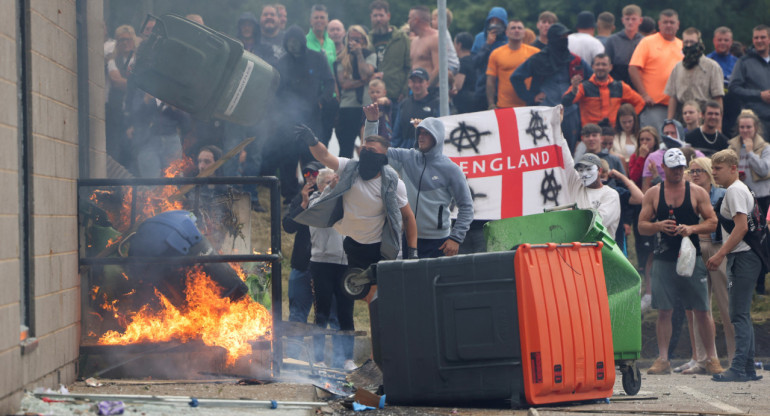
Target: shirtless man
[{"x": 424, "y": 49}]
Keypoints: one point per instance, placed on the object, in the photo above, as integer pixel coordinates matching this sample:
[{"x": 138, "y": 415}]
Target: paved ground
[{"x": 669, "y": 395}]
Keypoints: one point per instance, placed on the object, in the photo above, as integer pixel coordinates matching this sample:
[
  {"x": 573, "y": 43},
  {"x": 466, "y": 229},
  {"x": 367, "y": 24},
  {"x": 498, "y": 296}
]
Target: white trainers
[
  {"x": 349, "y": 365},
  {"x": 646, "y": 302},
  {"x": 320, "y": 364}
]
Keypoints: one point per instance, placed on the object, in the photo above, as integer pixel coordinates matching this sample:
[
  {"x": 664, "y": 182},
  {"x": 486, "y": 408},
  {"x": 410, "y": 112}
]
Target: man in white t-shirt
[
  {"x": 743, "y": 265},
  {"x": 368, "y": 221},
  {"x": 591, "y": 193}
]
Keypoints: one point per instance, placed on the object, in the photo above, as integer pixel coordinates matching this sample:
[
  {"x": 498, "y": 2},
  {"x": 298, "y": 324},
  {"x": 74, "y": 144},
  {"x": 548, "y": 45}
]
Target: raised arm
[{"x": 319, "y": 151}]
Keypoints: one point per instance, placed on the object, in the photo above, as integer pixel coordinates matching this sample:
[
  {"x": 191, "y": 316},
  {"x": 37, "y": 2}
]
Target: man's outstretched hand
[{"x": 304, "y": 134}]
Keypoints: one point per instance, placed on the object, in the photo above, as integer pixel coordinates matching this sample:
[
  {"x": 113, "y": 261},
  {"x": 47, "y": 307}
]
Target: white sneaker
[
  {"x": 646, "y": 302},
  {"x": 349, "y": 365},
  {"x": 320, "y": 364}
]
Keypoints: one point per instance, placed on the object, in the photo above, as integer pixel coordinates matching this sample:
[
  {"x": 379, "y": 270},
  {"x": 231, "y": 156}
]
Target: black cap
[
  {"x": 557, "y": 30},
  {"x": 585, "y": 20},
  {"x": 313, "y": 166},
  {"x": 420, "y": 73}
]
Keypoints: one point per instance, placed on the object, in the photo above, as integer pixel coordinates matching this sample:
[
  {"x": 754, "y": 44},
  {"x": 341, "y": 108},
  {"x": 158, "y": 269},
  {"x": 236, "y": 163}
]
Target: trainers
[
  {"x": 349, "y": 365},
  {"x": 686, "y": 366},
  {"x": 730, "y": 375},
  {"x": 696, "y": 369},
  {"x": 646, "y": 302},
  {"x": 660, "y": 367},
  {"x": 320, "y": 364},
  {"x": 712, "y": 366}
]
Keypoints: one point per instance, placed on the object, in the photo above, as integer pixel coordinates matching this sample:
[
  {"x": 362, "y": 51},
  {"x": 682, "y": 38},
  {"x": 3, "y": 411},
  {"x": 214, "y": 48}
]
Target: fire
[{"x": 214, "y": 319}]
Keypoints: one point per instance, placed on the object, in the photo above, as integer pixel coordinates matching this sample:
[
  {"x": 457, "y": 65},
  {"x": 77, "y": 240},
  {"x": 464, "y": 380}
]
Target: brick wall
[{"x": 53, "y": 115}]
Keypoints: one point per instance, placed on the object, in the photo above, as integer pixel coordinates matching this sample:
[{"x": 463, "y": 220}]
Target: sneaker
[
  {"x": 660, "y": 367},
  {"x": 646, "y": 302},
  {"x": 686, "y": 366},
  {"x": 349, "y": 365},
  {"x": 697, "y": 369},
  {"x": 712, "y": 366},
  {"x": 319, "y": 364},
  {"x": 729, "y": 375}
]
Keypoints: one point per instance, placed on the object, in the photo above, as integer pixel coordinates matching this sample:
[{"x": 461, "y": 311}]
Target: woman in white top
[{"x": 627, "y": 126}]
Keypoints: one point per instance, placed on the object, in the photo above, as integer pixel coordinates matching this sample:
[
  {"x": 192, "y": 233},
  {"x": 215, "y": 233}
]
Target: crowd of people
[{"x": 648, "y": 119}]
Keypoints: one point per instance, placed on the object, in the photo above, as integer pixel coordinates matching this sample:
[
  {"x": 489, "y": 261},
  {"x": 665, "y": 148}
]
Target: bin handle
[{"x": 561, "y": 208}]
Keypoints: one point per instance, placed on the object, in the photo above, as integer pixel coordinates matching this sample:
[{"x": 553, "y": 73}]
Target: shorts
[{"x": 667, "y": 286}]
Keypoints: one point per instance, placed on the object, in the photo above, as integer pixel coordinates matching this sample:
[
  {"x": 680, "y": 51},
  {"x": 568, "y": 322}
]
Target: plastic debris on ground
[{"x": 107, "y": 408}]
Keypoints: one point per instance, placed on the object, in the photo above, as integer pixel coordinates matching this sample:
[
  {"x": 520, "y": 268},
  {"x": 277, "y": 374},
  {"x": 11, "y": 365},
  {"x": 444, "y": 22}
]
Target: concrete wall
[{"x": 53, "y": 113}]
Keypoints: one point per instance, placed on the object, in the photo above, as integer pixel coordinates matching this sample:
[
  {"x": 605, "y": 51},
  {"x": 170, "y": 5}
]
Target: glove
[
  {"x": 304, "y": 134},
  {"x": 411, "y": 253}
]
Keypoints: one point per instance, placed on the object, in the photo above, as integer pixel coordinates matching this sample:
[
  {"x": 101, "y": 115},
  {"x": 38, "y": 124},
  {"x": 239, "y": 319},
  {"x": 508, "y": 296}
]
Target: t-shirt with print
[
  {"x": 738, "y": 199},
  {"x": 364, "y": 209}
]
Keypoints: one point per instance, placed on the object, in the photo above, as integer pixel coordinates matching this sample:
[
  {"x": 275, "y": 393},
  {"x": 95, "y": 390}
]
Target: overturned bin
[
  {"x": 623, "y": 281},
  {"x": 494, "y": 327},
  {"x": 203, "y": 72}
]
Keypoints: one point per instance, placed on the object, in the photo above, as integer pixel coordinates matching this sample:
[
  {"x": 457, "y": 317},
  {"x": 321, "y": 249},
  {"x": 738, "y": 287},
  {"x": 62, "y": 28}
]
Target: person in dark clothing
[
  {"x": 465, "y": 79},
  {"x": 300, "y": 290},
  {"x": 489, "y": 39},
  {"x": 552, "y": 70},
  {"x": 418, "y": 105},
  {"x": 750, "y": 80},
  {"x": 306, "y": 86}
]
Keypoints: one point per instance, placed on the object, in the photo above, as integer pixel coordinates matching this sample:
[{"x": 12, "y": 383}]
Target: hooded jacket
[
  {"x": 481, "y": 50},
  {"x": 751, "y": 76},
  {"x": 306, "y": 82},
  {"x": 432, "y": 182},
  {"x": 395, "y": 62},
  {"x": 256, "y": 46}
]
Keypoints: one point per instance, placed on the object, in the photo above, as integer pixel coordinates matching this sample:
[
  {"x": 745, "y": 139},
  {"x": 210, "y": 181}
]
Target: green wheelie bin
[{"x": 622, "y": 279}]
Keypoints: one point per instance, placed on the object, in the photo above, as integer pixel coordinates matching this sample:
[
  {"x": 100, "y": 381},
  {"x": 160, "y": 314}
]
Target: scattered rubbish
[
  {"x": 108, "y": 407},
  {"x": 92, "y": 382},
  {"x": 369, "y": 399},
  {"x": 252, "y": 382},
  {"x": 334, "y": 389},
  {"x": 358, "y": 407},
  {"x": 174, "y": 400},
  {"x": 533, "y": 412}
]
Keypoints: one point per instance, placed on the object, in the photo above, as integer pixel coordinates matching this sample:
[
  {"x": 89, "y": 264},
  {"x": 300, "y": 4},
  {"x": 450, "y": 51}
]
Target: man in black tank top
[{"x": 671, "y": 211}]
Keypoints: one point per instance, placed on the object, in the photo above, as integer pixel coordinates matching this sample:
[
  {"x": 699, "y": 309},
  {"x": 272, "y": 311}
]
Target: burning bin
[
  {"x": 623, "y": 281},
  {"x": 172, "y": 234},
  {"x": 494, "y": 327},
  {"x": 203, "y": 72}
]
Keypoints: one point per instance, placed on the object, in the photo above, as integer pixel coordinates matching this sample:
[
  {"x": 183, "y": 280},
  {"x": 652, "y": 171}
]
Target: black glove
[
  {"x": 411, "y": 253},
  {"x": 304, "y": 134}
]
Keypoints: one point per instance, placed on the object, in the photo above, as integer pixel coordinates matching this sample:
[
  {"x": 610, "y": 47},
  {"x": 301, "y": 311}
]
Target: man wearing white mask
[{"x": 591, "y": 193}]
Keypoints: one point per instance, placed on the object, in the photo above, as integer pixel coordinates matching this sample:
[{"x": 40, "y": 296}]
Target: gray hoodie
[{"x": 432, "y": 182}]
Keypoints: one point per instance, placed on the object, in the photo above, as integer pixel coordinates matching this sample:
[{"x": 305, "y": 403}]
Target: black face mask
[
  {"x": 370, "y": 163},
  {"x": 692, "y": 55}
]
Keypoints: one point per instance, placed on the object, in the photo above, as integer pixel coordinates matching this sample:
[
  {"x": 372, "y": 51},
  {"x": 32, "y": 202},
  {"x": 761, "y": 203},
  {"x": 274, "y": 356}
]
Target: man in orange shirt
[
  {"x": 651, "y": 65},
  {"x": 600, "y": 96},
  {"x": 502, "y": 62}
]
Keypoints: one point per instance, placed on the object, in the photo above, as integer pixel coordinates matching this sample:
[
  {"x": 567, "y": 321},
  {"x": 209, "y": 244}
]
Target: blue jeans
[
  {"x": 300, "y": 302},
  {"x": 743, "y": 268},
  {"x": 427, "y": 248}
]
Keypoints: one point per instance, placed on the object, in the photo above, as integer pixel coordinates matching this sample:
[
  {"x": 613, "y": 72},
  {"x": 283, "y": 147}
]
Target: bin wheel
[
  {"x": 632, "y": 379},
  {"x": 355, "y": 284}
]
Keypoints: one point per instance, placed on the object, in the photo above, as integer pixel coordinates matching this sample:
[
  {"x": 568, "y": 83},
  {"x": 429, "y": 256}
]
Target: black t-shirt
[
  {"x": 379, "y": 43},
  {"x": 464, "y": 98},
  {"x": 707, "y": 143}
]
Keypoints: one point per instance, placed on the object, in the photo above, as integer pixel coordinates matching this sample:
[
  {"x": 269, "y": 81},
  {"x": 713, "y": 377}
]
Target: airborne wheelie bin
[
  {"x": 622, "y": 279},
  {"x": 203, "y": 72}
]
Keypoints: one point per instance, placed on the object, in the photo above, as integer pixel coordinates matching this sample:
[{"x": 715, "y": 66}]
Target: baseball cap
[
  {"x": 674, "y": 158},
  {"x": 420, "y": 73},
  {"x": 585, "y": 20},
  {"x": 589, "y": 159}
]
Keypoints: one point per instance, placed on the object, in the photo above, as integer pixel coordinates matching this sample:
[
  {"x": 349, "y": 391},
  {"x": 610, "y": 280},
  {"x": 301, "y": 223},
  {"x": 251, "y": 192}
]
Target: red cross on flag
[{"x": 512, "y": 158}]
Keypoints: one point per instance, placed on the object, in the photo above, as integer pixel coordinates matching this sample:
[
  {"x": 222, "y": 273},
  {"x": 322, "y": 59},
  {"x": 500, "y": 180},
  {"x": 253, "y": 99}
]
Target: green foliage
[{"x": 259, "y": 288}]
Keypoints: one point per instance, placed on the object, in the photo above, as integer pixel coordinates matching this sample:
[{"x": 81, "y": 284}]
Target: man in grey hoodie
[{"x": 432, "y": 182}]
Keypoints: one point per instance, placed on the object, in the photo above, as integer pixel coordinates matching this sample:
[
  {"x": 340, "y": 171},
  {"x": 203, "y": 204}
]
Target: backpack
[{"x": 757, "y": 235}]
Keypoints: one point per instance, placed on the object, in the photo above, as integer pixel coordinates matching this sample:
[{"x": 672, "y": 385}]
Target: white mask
[{"x": 588, "y": 174}]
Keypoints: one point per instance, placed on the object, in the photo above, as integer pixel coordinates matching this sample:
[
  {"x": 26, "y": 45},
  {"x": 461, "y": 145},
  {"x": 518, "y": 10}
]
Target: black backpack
[{"x": 757, "y": 235}]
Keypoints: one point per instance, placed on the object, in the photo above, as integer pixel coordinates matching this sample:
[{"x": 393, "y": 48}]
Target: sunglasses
[
  {"x": 310, "y": 174},
  {"x": 697, "y": 171}
]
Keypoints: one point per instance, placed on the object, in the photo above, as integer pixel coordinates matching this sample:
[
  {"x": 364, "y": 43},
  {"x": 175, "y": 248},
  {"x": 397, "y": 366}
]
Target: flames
[{"x": 214, "y": 319}]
